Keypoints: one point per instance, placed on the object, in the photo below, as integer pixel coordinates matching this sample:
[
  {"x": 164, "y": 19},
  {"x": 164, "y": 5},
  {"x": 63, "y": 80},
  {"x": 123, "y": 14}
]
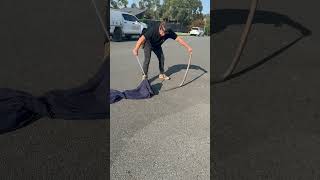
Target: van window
[
  {"x": 135, "y": 18},
  {"x": 128, "y": 17}
]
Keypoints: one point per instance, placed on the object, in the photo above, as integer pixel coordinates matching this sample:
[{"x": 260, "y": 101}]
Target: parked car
[
  {"x": 124, "y": 24},
  {"x": 196, "y": 31}
]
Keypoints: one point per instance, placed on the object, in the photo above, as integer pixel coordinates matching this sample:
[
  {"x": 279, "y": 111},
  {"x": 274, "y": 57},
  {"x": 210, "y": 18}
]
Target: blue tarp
[
  {"x": 143, "y": 91},
  {"x": 89, "y": 101}
]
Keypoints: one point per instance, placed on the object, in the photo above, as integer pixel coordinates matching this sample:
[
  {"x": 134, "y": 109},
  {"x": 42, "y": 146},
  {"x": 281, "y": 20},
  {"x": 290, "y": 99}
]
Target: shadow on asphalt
[
  {"x": 226, "y": 17},
  {"x": 264, "y": 60},
  {"x": 179, "y": 67},
  {"x": 266, "y": 126},
  {"x": 173, "y": 70},
  {"x": 127, "y": 39},
  {"x": 156, "y": 88}
]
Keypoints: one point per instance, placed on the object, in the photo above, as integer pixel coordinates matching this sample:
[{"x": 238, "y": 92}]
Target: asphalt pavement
[
  {"x": 266, "y": 118},
  {"x": 166, "y": 136}
]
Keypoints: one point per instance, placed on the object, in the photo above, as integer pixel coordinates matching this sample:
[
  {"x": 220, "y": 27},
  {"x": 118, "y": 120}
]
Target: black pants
[{"x": 147, "y": 56}]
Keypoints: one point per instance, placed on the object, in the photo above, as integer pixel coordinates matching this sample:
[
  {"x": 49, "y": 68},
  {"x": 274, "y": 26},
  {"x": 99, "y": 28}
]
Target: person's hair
[{"x": 163, "y": 26}]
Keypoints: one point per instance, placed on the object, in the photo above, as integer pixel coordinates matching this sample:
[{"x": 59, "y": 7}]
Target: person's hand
[
  {"x": 190, "y": 50},
  {"x": 135, "y": 52}
]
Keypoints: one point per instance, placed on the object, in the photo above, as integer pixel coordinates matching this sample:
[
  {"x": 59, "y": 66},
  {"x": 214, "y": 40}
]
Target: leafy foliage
[
  {"x": 153, "y": 8},
  {"x": 117, "y": 4},
  {"x": 182, "y": 11},
  {"x": 134, "y": 5}
]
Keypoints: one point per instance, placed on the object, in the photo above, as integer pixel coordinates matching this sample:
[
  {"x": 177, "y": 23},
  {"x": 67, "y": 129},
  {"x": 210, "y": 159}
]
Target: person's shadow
[
  {"x": 222, "y": 18},
  {"x": 173, "y": 70}
]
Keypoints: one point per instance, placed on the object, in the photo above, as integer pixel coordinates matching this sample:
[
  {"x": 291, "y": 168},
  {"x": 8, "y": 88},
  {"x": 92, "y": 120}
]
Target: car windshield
[
  {"x": 194, "y": 28},
  {"x": 128, "y": 17},
  {"x": 136, "y": 18}
]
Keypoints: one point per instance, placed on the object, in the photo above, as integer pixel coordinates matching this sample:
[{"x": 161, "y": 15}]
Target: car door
[
  {"x": 136, "y": 25},
  {"x": 115, "y": 20},
  {"x": 130, "y": 26},
  {"x": 126, "y": 24}
]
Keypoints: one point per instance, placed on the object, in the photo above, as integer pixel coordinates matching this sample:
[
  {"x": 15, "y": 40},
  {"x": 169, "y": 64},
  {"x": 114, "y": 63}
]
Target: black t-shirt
[{"x": 153, "y": 36}]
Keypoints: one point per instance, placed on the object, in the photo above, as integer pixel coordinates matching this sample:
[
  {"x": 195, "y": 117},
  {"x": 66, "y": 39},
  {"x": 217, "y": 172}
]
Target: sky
[{"x": 205, "y": 4}]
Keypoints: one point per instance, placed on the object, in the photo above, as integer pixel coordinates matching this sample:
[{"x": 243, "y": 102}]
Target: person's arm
[
  {"x": 138, "y": 45},
  {"x": 183, "y": 43}
]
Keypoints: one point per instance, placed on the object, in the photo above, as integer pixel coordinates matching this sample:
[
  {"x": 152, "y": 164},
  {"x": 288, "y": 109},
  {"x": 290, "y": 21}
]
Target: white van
[
  {"x": 124, "y": 24},
  {"x": 196, "y": 31}
]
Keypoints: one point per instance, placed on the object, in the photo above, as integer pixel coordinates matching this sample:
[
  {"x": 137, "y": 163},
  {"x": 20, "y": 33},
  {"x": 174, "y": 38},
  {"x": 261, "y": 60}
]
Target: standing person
[{"x": 152, "y": 39}]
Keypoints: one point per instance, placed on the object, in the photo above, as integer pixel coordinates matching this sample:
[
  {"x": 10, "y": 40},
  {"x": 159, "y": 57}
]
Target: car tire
[
  {"x": 117, "y": 35},
  {"x": 128, "y": 37}
]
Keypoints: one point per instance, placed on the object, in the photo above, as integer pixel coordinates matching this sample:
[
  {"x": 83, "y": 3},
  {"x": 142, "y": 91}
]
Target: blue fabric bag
[{"x": 143, "y": 91}]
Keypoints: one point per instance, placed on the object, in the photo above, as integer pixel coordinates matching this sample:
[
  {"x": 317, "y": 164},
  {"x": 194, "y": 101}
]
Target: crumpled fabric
[
  {"x": 88, "y": 101},
  {"x": 143, "y": 91}
]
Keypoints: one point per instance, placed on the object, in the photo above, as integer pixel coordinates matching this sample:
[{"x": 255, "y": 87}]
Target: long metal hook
[{"x": 243, "y": 40}]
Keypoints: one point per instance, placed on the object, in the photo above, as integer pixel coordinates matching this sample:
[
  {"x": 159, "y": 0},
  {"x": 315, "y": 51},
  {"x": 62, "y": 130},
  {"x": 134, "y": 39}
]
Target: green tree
[
  {"x": 207, "y": 25},
  {"x": 133, "y": 5},
  {"x": 153, "y": 7},
  {"x": 141, "y": 4},
  {"x": 118, "y": 3},
  {"x": 182, "y": 11}
]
